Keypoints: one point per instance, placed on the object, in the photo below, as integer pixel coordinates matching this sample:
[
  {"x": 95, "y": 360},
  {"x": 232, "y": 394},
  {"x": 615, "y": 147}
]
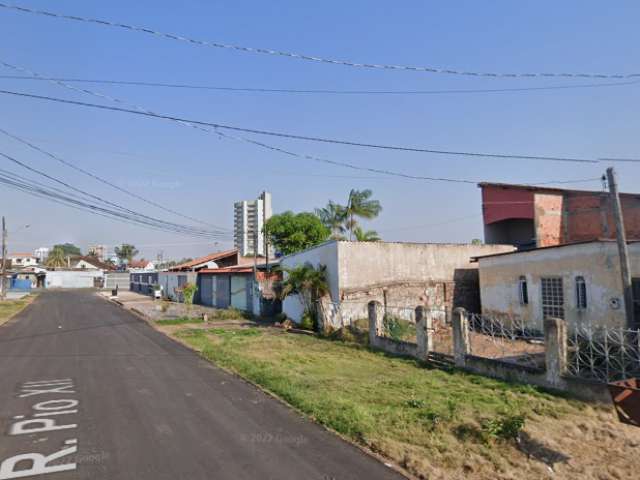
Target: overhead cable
[{"x": 311, "y": 58}]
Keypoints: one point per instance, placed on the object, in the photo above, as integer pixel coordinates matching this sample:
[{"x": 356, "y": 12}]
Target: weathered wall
[
  {"x": 548, "y": 219},
  {"x": 170, "y": 284},
  {"x": 72, "y": 278},
  {"x": 597, "y": 262}
]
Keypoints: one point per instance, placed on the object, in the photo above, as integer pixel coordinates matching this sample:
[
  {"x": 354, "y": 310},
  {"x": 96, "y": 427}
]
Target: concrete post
[
  {"x": 424, "y": 332},
  {"x": 376, "y": 315},
  {"x": 555, "y": 344},
  {"x": 460, "y": 336}
]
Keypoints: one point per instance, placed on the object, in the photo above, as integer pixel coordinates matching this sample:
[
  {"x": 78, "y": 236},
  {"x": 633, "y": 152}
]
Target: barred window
[
  {"x": 581, "y": 293},
  {"x": 552, "y": 297},
  {"x": 523, "y": 291}
]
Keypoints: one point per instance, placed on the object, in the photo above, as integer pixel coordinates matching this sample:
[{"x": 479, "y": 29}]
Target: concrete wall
[
  {"x": 121, "y": 279},
  {"x": 71, "y": 278},
  {"x": 597, "y": 262},
  {"x": 170, "y": 283},
  {"x": 395, "y": 274}
]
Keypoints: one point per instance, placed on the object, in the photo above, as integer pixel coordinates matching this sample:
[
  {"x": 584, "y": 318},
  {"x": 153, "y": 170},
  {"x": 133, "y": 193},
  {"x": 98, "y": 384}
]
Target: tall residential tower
[{"x": 249, "y": 220}]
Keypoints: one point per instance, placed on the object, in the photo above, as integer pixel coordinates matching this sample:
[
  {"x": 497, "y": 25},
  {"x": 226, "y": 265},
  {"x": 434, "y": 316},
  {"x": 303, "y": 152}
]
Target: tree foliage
[
  {"x": 365, "y": 236},
  {"x": 341, "y": 219},
  {"x": 360, "y": 205},
  {"x": 126, "y": 252},
  {"x": 333, "y": 217},
  {"x": 292, "y": 232},
  {"x": 68, "y": 249},
  {"x": 56, "y": 257},
  {"x": 189, "y": 291}
]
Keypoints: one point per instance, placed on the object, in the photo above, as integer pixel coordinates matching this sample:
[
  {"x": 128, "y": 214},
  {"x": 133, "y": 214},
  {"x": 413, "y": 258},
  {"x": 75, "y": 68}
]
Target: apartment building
[{"x": 249, "y": 219}]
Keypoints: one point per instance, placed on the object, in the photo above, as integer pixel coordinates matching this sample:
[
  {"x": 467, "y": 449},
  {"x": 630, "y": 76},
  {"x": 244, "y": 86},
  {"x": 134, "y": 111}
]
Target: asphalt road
[{"x": 89, "y": 391}]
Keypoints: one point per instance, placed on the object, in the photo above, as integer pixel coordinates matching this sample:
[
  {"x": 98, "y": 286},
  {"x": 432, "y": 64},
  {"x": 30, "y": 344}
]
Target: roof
[
  {"x": 95, "y": 262},
  {"x": 21, "y": 255},
  {"x": 139, "y": 263},
  {"x": 535, "y": 188},
  {"x": 212, "y": 257},
  {"x": 219, "y": 271},
  {"x": 515, "y": 252}
]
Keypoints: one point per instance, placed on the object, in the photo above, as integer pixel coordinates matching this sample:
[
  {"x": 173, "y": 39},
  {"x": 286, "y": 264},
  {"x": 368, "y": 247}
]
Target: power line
[
  {"x": 100, "y": 179},
  {"x": 298, "y": 56},
  {"x": 303, "y": 137},
  {"x": 318, "y": 91},
  {"x": 147, "y": 218}
]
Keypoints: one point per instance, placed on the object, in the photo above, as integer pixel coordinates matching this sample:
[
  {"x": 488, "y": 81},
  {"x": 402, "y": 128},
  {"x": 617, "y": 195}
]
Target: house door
[{"x": 239, "y": 292}]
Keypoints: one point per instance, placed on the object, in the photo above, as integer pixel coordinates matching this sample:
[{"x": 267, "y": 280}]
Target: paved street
[{"x": 86, "y": 382}]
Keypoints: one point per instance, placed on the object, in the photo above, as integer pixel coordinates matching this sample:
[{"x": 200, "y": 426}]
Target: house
[
  {"x": 398, "y": 275},
  {"x": 28, "y": 278},
  {"x": 175, "y": 277},
  {"x": 580, "y": 283},
  {"x": 143, "y": 282},
  {"x": 533, "y": 217},
  {"x": 21, "y": 260},
  {"x": 90, "y": 262},
  {"x": 242, "y": 287},
  {"x": 141, "y": 265}
]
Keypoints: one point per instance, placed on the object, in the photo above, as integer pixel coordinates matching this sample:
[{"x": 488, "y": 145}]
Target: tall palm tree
[
  {"x": 56, "y": 258},
  {"x": 309, "y": 283},
  {"x": 368, "y": 236},
  {"x": 360, "y": 205},
  {"x": 333, "y": 217}
]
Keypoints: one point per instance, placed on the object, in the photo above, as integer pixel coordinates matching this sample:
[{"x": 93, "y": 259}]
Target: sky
[{"x": 202, "y": 175}]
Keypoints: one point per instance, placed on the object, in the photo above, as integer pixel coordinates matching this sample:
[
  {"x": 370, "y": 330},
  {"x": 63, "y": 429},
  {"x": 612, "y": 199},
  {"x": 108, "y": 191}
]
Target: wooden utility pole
[
  {"x": 4, "y": 259},
  {"x": 621, "y": 237}
]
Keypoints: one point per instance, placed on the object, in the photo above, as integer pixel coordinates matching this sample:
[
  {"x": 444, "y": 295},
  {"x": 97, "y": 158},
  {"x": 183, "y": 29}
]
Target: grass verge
[
  {"x": 9, "y": 308},
  {"x": 435, "y": 423}
]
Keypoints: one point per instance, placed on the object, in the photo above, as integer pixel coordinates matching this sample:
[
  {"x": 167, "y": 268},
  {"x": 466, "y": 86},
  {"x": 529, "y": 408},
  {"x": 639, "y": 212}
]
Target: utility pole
[
  {"x": 4, "y": 258},
  {"x": 621, "y": 238}
]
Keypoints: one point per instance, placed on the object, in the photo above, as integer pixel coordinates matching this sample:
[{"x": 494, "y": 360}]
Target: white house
[
  {"x": 398, "y": 275},
  {"x": 21, "y": 260},
  {"x": 579, "y": 282},
  {"x": 141, "y": 266}
]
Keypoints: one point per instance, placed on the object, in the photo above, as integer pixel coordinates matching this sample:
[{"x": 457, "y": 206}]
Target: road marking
[{"x": 32, "y": 464}]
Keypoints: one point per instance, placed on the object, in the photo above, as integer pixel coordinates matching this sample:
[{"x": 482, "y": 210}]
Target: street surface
[{"x": 90, "y": 391}]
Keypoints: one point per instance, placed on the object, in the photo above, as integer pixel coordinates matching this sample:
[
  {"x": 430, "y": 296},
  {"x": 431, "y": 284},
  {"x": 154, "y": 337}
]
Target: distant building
[
  {"x": 41, "y": 254},
  {"x": 98, "y": 251},
  {"x": 141, "y": 266},
  {"x": 249, "y": 220},
  {"x": 533, "y": 217},
  {"x": 21, "y": 260}
]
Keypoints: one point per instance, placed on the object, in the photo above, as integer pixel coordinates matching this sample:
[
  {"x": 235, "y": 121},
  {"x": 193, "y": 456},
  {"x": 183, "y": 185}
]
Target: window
[
  {"x": 581, "y": 293},
  {"x": 552, "y": 297},
  {"x": 523, "y": 291}
]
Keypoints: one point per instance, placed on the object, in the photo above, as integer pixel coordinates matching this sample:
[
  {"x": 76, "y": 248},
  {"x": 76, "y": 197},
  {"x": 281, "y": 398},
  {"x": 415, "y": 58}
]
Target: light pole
[{"x": 3, "y": 283}]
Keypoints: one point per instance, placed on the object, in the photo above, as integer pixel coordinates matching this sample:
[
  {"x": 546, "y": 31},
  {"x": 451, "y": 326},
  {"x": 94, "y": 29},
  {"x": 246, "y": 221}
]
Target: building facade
[
  {"x": 398, "y": 275},
  {"x": 98, "y": 251},
  {"x": 249, "y": 220},
  {"x": 22, "y": 260},
  {"x": 534, "y": 217},
  {"x": 41, "y": 254},
  {"x": 580, "y": 283}
]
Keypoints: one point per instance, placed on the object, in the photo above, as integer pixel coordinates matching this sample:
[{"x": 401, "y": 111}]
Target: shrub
[
  {"x": 506, "y": 427},
  {"x": 307, "y": 322},
  {"x": 189, "y": 291},
  {"x": 396, "y": 328}
]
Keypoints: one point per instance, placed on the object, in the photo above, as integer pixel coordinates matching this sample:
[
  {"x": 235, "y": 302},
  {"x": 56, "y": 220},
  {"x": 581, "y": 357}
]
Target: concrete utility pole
[
  {"x": 621, "y": 237},
  {"x": 4, "y": 258}
]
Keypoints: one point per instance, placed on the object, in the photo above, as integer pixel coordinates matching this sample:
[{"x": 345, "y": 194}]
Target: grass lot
[
  {"x": 9, "y": 308},
  {"x": 435, "y": 423}
]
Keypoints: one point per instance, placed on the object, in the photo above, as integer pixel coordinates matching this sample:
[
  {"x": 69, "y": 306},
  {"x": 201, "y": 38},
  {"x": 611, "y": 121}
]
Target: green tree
[
  {"x": 309, "y": 284},
  {"x": 292, "y": 232},
  {"x": 68, "y": 249},
  {"x": 360, "y": 205},
  {"x": 126, "y": 252},
  {"x": 56, "y": 257},
  {"x": 333, "y": 217},
  {"x": 368, "y": 236},
  {"x": 189, "y": 292}
]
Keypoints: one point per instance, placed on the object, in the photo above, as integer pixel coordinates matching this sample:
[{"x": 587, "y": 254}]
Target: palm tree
[
  {"x": 56, "y": 258},
  {"x": 333, "y": 216},
  {"x": 360, "y": 205},
  {"x": 308, "y": 283},
  {"x": 126, "y": 252},
  {"x": 368, "y": 236}
]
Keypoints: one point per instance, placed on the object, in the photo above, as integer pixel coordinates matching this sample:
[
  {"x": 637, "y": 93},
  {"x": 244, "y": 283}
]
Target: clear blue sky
[{"x": 198, "y": 173}]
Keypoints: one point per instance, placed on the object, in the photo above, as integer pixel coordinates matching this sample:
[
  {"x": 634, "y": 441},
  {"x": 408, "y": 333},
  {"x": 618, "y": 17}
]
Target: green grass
[
  {"x": 410, "y": 413},
  {"x": 9, "y": 308},
  {"x": 179, "y": 321}
]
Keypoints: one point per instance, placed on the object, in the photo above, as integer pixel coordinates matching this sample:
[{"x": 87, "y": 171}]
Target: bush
[
  {"x": 396, "y": 328},
  {"x": 506, "y": 427},
  {"x": 307, "y": 322}
]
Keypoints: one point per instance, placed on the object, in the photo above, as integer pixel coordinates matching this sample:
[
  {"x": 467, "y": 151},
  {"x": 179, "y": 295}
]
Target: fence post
[
  {"x": 555, "y": 344},
  {"x": 376, "y": 314},
  {"x": 460, "y": 336},
  {"x": 424, "y": 332}
]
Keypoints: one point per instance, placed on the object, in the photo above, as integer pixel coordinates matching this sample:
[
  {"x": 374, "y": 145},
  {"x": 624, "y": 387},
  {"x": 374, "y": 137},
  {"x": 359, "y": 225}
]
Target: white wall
[
  {"x": 596, "y": 262},
  {"x": 324, "y": 254},
  {"x": 71, "y": 278}
]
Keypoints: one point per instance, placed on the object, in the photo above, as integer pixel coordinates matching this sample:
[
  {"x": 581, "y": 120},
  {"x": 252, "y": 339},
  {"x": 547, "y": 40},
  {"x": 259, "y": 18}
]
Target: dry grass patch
[
  {"x": 9, "y": 308},
  {"x": 437, "y": 424}
]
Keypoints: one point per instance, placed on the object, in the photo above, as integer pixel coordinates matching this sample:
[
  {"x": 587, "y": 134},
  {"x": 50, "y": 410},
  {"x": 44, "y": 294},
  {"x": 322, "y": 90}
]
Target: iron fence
[
  {"x": 603, "y": 354},
  {"x": 507, "y": 339}
]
